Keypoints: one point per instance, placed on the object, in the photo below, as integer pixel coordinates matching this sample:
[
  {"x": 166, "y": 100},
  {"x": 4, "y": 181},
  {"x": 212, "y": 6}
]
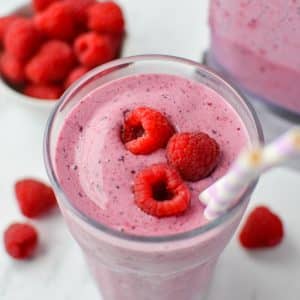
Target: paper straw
[
  {"x": 248, "y": 166},
  {"x": 282, "y": 149}
]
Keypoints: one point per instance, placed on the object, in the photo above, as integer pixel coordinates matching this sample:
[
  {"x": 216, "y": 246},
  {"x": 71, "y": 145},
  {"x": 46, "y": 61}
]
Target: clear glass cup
[
  {"x": 255, "y": 44},
  {"x": 134, "y": 267}
]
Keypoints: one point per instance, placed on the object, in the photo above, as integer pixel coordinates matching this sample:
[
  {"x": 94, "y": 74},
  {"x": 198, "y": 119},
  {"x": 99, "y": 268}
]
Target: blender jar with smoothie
[
  {"x": 134, "y": 255},
  {"x": 255, "y": 44}
]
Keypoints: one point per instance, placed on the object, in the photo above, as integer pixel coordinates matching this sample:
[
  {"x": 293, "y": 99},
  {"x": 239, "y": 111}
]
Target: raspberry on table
[
  {"x": 159, "y": 191},
  {"x": 75, "y": 75},
  {"x": 262, "y": 229},
  {"x": 20, "y": 240},
  {"x": 51, "y": 64},
  {"x": 194, "y": 155},
  {"x": 106, "y": 17},
  {"x": 80, "y": 9},
  {"x": 40, "y": 5},
  {"x": 5, "y": 22},
  {"x": 12, "y": 69},
  {"x": 93, "y": 49},
  {"x": 43, "y": 91},
  {"x": 145, "y": 130},
  {"x": 34, "y": 197},
  {"x": 57, "y": 22},
  {"x": 22, "y": 39}
]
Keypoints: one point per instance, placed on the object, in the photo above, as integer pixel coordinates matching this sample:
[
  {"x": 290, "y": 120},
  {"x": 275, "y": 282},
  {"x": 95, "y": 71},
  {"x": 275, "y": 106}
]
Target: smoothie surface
[{"x": 96, "y": 171}]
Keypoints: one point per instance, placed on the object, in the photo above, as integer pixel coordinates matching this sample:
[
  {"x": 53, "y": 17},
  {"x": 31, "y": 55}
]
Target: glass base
[
  {"x": 275, "y": 120},
  {"x": 118, "y": 284}
]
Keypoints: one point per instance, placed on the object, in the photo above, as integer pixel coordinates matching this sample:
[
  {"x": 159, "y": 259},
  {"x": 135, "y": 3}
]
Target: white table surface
[{"x": 58, "y": 271}]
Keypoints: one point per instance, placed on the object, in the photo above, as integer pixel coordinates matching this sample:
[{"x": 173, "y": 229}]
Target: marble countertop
[{"x": 58, "y": 271}]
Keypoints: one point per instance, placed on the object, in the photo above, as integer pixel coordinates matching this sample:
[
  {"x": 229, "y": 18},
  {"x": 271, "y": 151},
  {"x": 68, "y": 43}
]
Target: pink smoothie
[
  {"x": 258, "y": 43},
  {"x": 96, "y": 171}
]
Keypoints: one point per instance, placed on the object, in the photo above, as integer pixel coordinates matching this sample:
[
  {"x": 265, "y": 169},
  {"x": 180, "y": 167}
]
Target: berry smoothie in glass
[
  {"x": 111, "y": 151},
  {"x": 255, "y": 44}
]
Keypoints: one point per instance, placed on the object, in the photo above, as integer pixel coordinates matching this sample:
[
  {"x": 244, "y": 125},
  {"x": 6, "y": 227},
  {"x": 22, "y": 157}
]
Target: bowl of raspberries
[{"x": 47, "y": 45}]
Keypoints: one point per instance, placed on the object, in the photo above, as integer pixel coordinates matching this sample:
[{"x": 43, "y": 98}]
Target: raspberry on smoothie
[
  {"x": 195, "y": 155},
  {"x": 159, "y": 191},
  {"x": 145, "y": 130}
]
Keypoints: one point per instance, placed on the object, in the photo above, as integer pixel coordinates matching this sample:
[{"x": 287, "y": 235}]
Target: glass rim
[{"x": 111, "y": 231}]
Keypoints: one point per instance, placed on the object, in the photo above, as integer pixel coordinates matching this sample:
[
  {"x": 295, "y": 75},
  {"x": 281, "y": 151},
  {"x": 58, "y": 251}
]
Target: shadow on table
[
  {"x": 250, "y": 275},
  {"x": 286, "y": 254}
]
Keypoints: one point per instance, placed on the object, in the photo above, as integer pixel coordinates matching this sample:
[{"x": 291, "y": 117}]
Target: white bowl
[{"x": 13, "y": 96}]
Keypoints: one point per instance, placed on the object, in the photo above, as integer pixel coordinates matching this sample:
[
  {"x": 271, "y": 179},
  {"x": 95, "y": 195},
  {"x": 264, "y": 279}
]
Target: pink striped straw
[{"x": 248, "y": 166}]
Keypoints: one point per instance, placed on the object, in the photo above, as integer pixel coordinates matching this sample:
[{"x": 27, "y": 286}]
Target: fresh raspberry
[
  {"x": 22, "y": 39},
  {"x": 262, "y": 229},
  {"x": 20, "y": 240},
  {"x": 93, "y": 49},
  {"x": 145, "y": 130},
  {"x": 34, "y": 197},
  {"x": 194, "y": 155},
  {"x": 106, "y": 17},
  {"x": 40, "y": 5},
  {"x": 5, "y": 22},
  {"x": 12, "y": 69},
  {"x": 51, "y": 64},
  {"x": 116, "y": 41},
  {"x": 80, "y": 9},
  {"x": 57, "y": 22},
  {"x": 74, "y": 75},
  {"x": 159, "y": 191},
  {"x": 43, "y": 91}
]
